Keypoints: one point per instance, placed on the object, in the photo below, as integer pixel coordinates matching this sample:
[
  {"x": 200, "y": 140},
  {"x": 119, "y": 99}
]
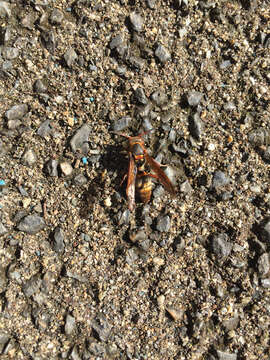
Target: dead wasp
[{"x": 138, "y": 179}]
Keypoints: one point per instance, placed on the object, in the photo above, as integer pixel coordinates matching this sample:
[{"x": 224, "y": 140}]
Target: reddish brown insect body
[
  {"x": 138, "y": 178},
  {"x": 143, "y": 186}
]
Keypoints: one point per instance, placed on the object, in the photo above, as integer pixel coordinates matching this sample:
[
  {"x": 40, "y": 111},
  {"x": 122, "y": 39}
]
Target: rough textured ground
[{"x": 180, "y": 278}]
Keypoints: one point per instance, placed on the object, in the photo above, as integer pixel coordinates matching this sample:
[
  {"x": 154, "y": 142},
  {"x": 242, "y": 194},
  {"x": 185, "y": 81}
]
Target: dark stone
[
  {"x": 79, "y": 141},
  {"x": 162, "y": 54},
  {"x": 48, "y": 40},
  {"x": 159, "y": 97},
  {"x": 51, "y": 167},
  {"x": 264, "y": 264},
  {"x": 140, "y": 96},
  {"x": 39, "y": 86},
  {"x": 70, "y": 56},
  {"x": 58, "y": 236},
  {"x": 56, "y": 17},
  {"x": 219, "y": 179},
  {"x": 45, "y": 129},
  {"x": 221, "y": 245},
  {"x": 10, "y": 53},
  {"x": 102, "y": 327},
  {"x": 196, "y": 126},
  {"x": 16, "y": 112},
  {"x": 31, "y": 224},
  {"x": 163, "y": 223},
  {"x": 136, "y": 21}
]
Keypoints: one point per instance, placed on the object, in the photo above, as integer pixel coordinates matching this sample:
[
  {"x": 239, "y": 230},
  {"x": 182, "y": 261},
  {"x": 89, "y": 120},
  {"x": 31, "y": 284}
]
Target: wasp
[{"x": 138, "y": 179}]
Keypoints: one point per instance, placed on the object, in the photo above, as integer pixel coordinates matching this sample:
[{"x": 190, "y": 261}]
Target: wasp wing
[
  {"x": 130, "y": 191},
  {"x": 163, "y": 178}
]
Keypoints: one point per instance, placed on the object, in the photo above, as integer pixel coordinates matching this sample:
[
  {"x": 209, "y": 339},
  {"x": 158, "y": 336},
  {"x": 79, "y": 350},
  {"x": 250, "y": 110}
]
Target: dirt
[{"x": 181, "y": 277}]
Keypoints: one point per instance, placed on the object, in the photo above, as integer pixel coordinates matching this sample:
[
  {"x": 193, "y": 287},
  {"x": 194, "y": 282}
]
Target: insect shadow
[{"x": 115, "y": 162}]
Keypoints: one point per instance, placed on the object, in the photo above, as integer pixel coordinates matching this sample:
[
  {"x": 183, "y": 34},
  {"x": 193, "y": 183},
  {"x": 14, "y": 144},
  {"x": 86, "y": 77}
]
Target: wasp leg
[{"x": 124, "y": 178}]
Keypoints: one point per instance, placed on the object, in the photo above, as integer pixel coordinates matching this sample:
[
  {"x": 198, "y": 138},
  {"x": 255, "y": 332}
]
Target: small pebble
[
  {"x": 136, "y": 21},
  {"x": 56, "y": 17},
  {"x": 70, "y": 56},
  {"x": 16, "y": 112},
  {"x": 79, "y": 180},
  {"x": 70, "y": 325},
  {"x": 51, "y": 167},
  {"x": 5, "y": 9},
  {"x": 163, "y": 223},
  {"x": 108, "y": 202},
  {"x": 158, "y": 192},
  {"x": 231, "y": 323},
  {"x": 264, "y": 264},
  {"x": 22, "y": 191},
  {"x": 10, "y": 53},
  {"x": 132, "y": 256},
  {"x": 225, "y": 64},
  {"x": 79, "y": 141},
  {"x": 29, "y": 158},
  {"x": 147, "y": 125},
  {"x": 45, "y": 129},
  {"x": 259, "y": 136},
  {"x": 211, "y": 147},
  {"x": 102, "y": 327},
  {"x": 31, "y": 224},
  {"x": 137, "y": 62},
  {"x": 196, "y": 126},
  {"x": 66, "y": 168},
  {"x": 219, "y": 180},
  {"x": 158, "y": 261},
  {"x": 161, "y": 301},
  {"x": 39, "y": 86},
  {"x": 28, "y": 21},
  {"x": 159, "y": 97},
  {"x": 265, "y": 283},
  {"x": 226, "y": 356},
  {"x": 185, "y": 187},
  {"x": 58, "y": 243},
  {"x": 194, "y": 98},
  {"x": 124, "y": 217},
  {"x": 140, "y": 96},
  {"x": 26, "y": 202},
  {"x": 229, "y": 106},
  {"x": 3, "y": 229},
  {"x": 221, "y": 245},
  {"x": 162, "y": 54},
  {"x": 176, "y": 314},
  {"x": 14, "y": 124},
  {"x": 137, "y": 236},
  {"x": 117, "y": 41},
  {"x": 151, "y": 4}
]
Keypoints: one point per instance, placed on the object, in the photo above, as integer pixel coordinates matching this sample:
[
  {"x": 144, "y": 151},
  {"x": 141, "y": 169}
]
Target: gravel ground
[{"x": 184, "y": 277}]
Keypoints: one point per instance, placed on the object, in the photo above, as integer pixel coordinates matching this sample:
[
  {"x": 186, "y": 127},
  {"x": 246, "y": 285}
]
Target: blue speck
[
  {"x": 92, "y": 99},
  {"x": 84, "y": 160},
  {"x": 2, "y": 182},
  {"x": 75, "y": 119},
  {"x": 68, "y": 9}
]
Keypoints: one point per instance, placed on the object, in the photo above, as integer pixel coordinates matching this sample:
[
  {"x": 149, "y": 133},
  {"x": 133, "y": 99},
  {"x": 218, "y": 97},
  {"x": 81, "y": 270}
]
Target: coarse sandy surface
[{"x": 181, "y": 277}]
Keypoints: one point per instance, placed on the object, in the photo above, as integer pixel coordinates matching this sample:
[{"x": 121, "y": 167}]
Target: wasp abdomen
[{"x": 144, "y": 187}]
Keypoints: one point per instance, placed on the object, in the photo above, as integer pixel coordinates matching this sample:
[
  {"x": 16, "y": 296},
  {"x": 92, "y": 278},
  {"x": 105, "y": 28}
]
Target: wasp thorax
[{"x": 137, "y": 150}]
